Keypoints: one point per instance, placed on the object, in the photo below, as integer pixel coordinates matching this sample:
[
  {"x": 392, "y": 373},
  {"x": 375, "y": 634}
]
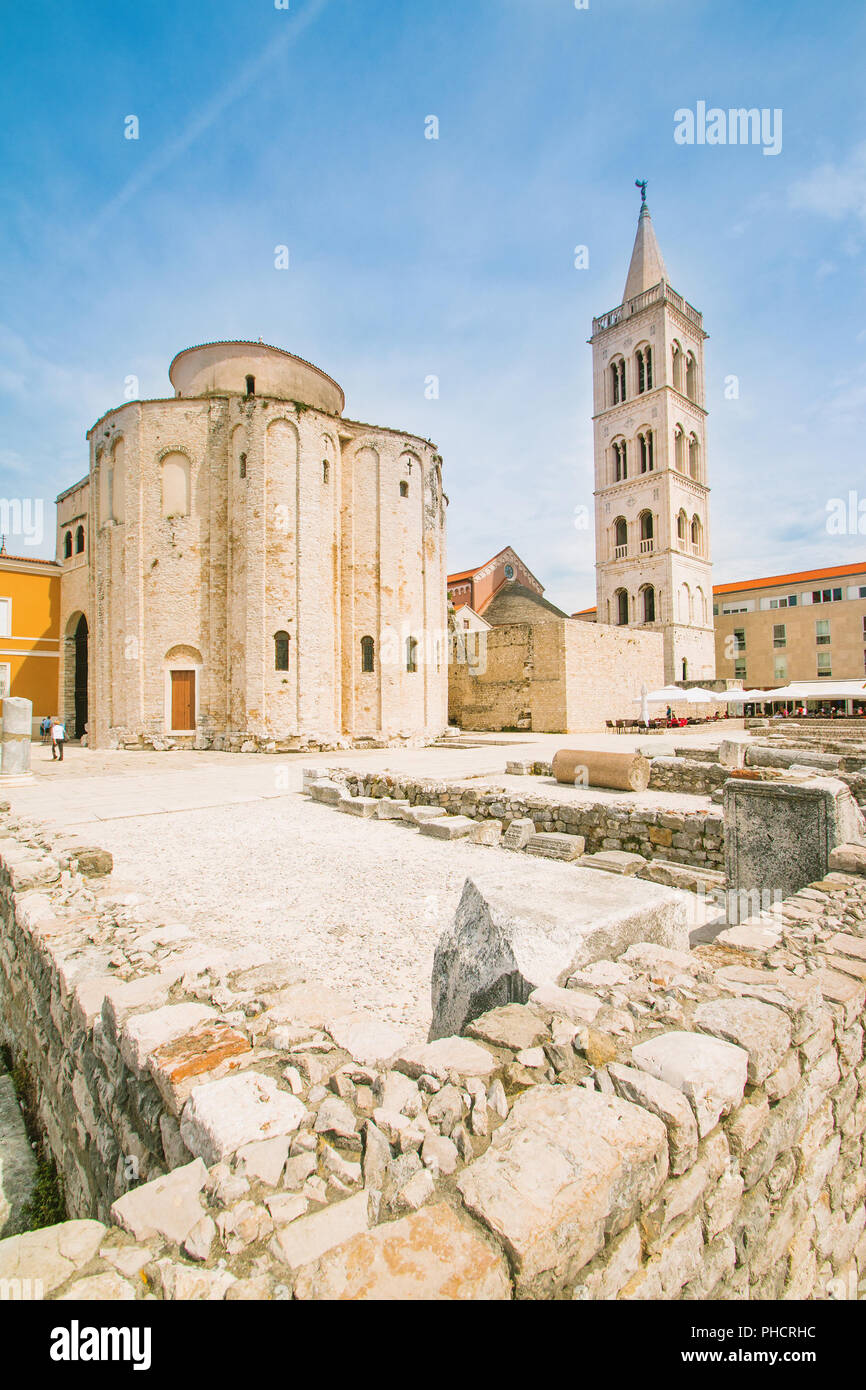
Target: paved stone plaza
[{"x": 226, "y": 844}]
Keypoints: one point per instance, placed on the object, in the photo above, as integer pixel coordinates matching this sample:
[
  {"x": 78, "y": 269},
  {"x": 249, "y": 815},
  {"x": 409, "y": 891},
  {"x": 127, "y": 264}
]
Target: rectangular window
[
  {"x": 822, "y": 632},
  {"x": 740, "y": 669},
  {"x": 824, "y": 664},
  {"x": 5, "y": 617},
  {"x": 5, "y": 679},
  {"x": 716, "y": 612},
  {"x": 816, "y": 595},
  {"x": 780, "y": 668},
  {"x": 792, "y": 600},
  {"x": 863, "y": 590},
  {"x": 779, "y": 635},
  {"x": 739, "y": 639},
  {"x": 837, "y": 595}
]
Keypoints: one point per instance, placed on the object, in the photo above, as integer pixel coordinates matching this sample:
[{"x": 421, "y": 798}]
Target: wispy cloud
[{"x": 835, "y": 190}]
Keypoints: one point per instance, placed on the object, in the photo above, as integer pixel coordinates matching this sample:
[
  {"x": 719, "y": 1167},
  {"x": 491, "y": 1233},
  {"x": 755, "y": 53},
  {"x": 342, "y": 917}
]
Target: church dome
[{"x": 244, "y": 369}]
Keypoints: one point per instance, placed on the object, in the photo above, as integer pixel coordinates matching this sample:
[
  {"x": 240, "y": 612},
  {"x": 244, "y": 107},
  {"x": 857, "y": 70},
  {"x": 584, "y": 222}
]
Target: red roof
[{"x": 799, "y": 577}]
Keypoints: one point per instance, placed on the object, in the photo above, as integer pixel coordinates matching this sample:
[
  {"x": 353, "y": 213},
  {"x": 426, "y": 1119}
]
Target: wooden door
[{"x": 182, "y": 700}]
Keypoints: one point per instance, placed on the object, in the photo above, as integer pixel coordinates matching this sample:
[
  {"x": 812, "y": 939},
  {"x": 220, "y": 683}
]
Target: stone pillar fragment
[{"x": 15, "y": 738}]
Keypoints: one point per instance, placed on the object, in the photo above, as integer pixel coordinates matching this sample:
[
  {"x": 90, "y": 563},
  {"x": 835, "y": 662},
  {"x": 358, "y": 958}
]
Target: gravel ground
[{"x": 355, "y": 904}]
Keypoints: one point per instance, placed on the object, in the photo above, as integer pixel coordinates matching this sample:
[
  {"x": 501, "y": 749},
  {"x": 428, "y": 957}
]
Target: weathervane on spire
[{"x": 641, "y": 184}]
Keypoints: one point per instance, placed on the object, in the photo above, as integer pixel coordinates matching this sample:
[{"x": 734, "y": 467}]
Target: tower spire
[{"x": 647, "y": 266}]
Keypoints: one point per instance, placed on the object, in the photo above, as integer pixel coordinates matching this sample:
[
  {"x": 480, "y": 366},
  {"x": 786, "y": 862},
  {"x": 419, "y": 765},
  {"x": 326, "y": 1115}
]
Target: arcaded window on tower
[
  {"x": 647, "y": 531},
  {"x": 411, "y": 654},
  {"x": 649, "y": 604},
  {"x": 679, "y": 449},
  {"x": 691, "y": 377},
  {"x": 367, "y": 654},
  {"x": 67, "y": 545},
  {"x": 645, "y": 440},
  {"x": 620, "y": 538},
  {"x": 682, "y": 523},
  {"x": 621, "y": 607},
  {"x": 696, "y": 534},
  {"x": 281, "y": 651},
  {"x": 677, "y": 365},
  {"x": 620, "y": 461},
  {"x": 617, "y": 371},
  {"x": 79, "y": 541},
  {"x": 644, "y": 358},
  {"x": 694, "y": 457}
]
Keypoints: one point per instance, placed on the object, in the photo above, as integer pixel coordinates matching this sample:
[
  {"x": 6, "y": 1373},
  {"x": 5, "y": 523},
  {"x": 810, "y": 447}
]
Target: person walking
[{"x": 58, "y": 738}]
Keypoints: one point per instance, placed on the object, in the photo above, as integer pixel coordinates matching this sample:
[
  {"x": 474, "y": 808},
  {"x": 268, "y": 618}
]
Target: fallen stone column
[{"x": 621, "y": 771}]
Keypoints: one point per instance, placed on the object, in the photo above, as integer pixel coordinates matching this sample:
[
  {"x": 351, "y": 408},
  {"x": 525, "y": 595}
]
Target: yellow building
[{"x": 30, "y": 630}]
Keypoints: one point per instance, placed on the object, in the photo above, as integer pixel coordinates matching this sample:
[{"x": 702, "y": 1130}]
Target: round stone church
[{"x": 244, "y": 567}]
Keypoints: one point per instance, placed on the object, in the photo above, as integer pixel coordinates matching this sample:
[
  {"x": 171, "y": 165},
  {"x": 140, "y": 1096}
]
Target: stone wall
[
  {"x": 553, "y": 677},
  {"x": 687, "y": 837},
  {"x": 714, "y": 1102}
]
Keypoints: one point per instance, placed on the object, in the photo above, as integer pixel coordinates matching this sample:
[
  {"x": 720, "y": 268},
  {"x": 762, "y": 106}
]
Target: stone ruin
[{"x": 636, "y": 1120}]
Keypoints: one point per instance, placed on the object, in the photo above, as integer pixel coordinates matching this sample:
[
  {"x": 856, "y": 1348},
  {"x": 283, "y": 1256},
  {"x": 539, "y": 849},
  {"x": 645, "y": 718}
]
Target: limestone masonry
[
  {"x": 254, "y": 567},
  {"x": 662, "y": 1124}
]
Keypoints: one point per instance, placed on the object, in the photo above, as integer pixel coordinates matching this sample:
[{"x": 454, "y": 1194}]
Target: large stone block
[
  {"x": 169, "y": 1206},
  {"x": 779, "y": 835},
  {"x": 764, "y": 1032},
  {"x": 710, "y": 1073},
  {"x": 568, "y": 1167},
  {"x": 222, "y": 1115},
  {"x": 533, "y": 924},
  {"x": 430, "y": 1254}
]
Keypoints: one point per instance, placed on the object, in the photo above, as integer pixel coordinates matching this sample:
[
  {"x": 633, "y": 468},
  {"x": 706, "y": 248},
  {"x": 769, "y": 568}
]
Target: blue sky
[{"x": 413, "y": 257}]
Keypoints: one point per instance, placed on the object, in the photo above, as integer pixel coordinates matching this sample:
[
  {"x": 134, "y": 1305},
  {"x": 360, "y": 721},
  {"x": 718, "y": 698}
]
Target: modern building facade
[
  {"x": 242, "y": 562},
  {"x": 653, "y": 564},
  {"x": 803, "y": 626}
]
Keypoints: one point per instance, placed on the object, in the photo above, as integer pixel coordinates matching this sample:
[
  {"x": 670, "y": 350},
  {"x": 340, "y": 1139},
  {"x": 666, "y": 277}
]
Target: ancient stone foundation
[{"x": 670, "y": 1124}]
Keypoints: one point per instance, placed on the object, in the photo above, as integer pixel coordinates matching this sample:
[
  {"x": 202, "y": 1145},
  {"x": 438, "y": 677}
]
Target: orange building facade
[{"x": 30, "y": 631}]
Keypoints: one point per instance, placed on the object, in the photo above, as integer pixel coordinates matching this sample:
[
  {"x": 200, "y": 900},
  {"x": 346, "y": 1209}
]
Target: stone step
[
  {"x": 614, "y": 861},
  {"x": 551, "y": 845},
  {"x": 682, "y": 876},
  {"x": 448, "y": 827}
]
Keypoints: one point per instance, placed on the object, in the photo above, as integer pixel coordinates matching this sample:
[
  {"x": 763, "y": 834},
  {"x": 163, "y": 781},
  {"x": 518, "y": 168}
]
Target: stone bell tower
[{"x": 653, "y": 567}]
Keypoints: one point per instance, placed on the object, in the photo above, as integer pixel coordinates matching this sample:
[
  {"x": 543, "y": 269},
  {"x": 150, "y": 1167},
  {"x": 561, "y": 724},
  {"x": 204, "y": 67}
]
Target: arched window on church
[
  {"x": 367, "y": 653},
  {"x": 649, "y": 604},
  {"x": 404, "y": 488},
  {"x": 281, "y": 651},
  {"x": 251, "y": 386},
  {"x": 694, "y": 457},
  {"x": 620, "y": 538},
  {"x": 647, "y": 531},
  {"x": 326, "y": 471},
  {"x": 677, "y": 365},
  {"x": 617, "y": 376},
  {"x": 621, "y": 607},
  {"x": 696, "y": 535},
  {"x": 67, "y": 545},
  {"x": 682, "y": 524},
  {"x": 175, "y": 485},
  {"x": 691, "y": 377},
  {"x": 700, "y": 607},
  {"x": 79, "y": 541},
  {"x": 679, "y": 449},
  {"x": 645, "y": 440},
  {"x": 411, "y": 654},
  {"x": 620, "y": 461}
]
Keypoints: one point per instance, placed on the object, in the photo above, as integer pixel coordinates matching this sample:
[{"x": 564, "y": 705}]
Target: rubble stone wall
[
  {"x": 713, "y": 1101},
  {"x": 686, "y": 837}
]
